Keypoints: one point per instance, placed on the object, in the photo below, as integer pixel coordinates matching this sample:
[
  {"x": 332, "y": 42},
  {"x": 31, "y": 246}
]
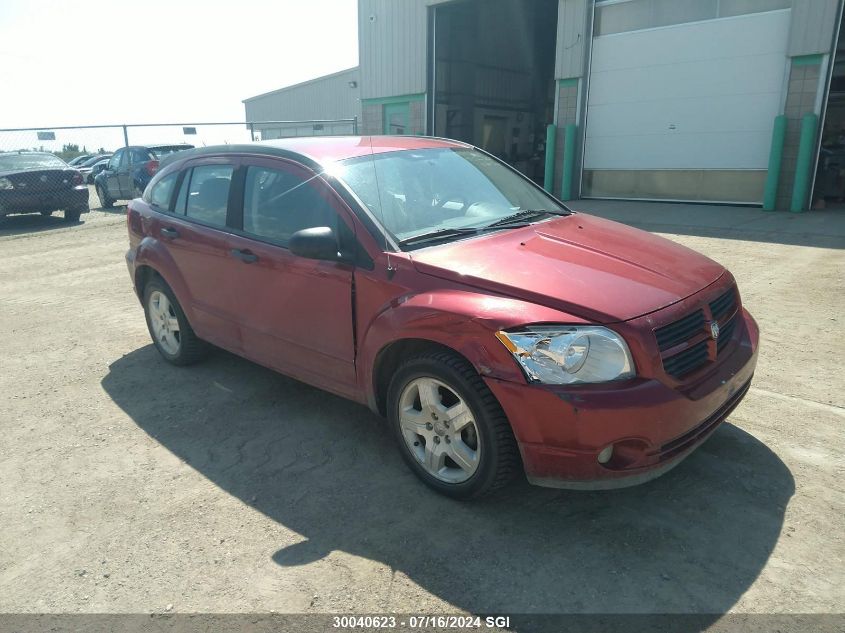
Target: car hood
[{"x": 589, "y": 267}]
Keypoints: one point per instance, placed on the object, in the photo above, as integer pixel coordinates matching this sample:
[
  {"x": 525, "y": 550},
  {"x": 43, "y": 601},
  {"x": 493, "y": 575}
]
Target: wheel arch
[
  {"x": 391, "y": 356},
  {"x": 154, "y": 262}
]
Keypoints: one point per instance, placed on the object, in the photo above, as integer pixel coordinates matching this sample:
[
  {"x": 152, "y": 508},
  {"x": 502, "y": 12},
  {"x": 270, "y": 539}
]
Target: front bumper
[
  {"x": 17, "y": 202},
  {"x": 653, "y": 426}
]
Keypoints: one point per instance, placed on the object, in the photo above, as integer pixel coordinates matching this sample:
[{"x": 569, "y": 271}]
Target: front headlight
[
  {"x": 568, "y": 354},
  {"x": 5, "y": 183}
]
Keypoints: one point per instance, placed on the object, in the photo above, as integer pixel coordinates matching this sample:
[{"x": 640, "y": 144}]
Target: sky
[{"x": 68, "y": 62}]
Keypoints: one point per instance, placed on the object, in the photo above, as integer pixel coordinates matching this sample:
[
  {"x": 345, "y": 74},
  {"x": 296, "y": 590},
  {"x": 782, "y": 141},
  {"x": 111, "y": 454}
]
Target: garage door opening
[
  {"x": 493, "y": 77},
  {"x": 829, "y": 190}
]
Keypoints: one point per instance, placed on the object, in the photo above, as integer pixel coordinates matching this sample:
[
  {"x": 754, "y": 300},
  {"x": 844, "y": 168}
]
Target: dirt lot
[{"x": 132, "y": 486}]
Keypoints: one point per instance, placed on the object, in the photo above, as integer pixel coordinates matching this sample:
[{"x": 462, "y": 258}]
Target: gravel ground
[{"x": 129, "y": 485}]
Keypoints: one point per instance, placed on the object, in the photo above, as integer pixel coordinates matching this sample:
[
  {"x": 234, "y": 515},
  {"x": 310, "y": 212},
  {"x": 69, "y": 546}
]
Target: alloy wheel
[
  {"x": 439, "y": 430},
  {"x": 164, "y": 323}
]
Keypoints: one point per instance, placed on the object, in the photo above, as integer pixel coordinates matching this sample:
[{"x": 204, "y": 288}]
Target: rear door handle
[
  {"x": 245, "y": 256},
  {"x": 170, "y": 232}
]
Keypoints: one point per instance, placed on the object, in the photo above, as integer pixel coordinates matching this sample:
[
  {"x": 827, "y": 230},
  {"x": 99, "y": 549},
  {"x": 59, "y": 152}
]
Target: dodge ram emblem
[{"x": 714, "y": 330}]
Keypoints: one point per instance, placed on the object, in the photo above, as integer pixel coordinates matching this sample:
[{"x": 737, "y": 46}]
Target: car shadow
[
  {"x": 692, "y": 541},
  {"x": 34, "y": 223}
]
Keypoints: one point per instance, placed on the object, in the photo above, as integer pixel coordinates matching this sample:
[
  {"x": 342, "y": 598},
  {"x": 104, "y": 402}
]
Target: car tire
[
  {"x": 461, "y": 451},
  {"x": 105, "y": 201},
  {"x": 168, "y": 326},
  {"x": 72, "y": 215}
]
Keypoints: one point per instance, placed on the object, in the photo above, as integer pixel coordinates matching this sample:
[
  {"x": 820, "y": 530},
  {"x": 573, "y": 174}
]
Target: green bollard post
[
  {"x": 801, "y": 189},
  {"x": 568, "y": 162},
  {"x": 549, "y": 173},
  {"x": 770, "y": 192}
]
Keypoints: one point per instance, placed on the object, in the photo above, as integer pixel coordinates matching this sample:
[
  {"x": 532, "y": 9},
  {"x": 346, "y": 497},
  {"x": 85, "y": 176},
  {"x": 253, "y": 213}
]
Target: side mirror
[{"x": 317, "y": 243}]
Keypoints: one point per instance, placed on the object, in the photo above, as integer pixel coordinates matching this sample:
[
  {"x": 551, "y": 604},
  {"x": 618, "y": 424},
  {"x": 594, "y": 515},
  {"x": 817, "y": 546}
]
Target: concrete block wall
[
  {"x": 372, "y": 119},
  {"x": 804, "y": 78},
  {"x": 416, "y": 117},
  {"x": 567, "y": 112}
]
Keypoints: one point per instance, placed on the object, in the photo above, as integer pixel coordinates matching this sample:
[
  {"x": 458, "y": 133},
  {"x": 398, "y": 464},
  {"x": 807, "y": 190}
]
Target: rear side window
[
  {"x": 139, "y": 156},
  {"x": 279, "y": 203},
  {"x": 162, "y": 192},
  {"x": 208, "y": 193}
]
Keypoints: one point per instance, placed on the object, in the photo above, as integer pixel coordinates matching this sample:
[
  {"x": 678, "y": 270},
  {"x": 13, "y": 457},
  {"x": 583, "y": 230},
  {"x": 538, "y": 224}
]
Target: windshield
[
  {"x": 419, "y": 192},
  {"x": 11, "y": 162}
]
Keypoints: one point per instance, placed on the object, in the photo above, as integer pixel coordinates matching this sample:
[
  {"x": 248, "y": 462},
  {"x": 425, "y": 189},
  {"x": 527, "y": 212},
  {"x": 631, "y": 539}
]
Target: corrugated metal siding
[
  {"x": 572, "y": 38},
  {"x": 328, "y": 97},
  {"x": 392, "y": 47},
  {"x": 813, "y": 24}
]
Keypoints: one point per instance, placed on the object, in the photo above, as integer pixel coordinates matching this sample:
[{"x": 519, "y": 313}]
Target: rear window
[
  {"x": 10, "y": 162},
  {"x": 208, "y": 193},
  {"x": 161, "y": 152}
]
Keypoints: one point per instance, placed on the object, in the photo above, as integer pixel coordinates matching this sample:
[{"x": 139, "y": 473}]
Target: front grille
[
  {"x": 693, "y": 329},
  {"x": 687, "y": 361},
  {"x": 725, "y": 335},
  {"x": 681, "y": 330},
  {"x": 724, "y": 306}
]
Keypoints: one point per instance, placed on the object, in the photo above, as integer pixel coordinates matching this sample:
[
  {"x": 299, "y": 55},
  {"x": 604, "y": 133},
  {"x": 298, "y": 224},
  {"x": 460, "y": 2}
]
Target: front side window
[
  {"x": 115, "y": 159},
  {"x": 208, "y": 193},
  {"x": 162, "y": 192},
  {"x": 418, "y": 192},
  {"x": 280, "y": 202}
]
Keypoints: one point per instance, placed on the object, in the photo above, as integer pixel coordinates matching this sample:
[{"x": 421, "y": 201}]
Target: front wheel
[
  {"x": 450, "y": 428},
  {"x": 169, "y": 328}
]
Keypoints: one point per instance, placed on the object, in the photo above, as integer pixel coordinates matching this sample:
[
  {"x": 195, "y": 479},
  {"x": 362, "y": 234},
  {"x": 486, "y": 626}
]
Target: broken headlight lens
[{"x": 569, "y": 354}]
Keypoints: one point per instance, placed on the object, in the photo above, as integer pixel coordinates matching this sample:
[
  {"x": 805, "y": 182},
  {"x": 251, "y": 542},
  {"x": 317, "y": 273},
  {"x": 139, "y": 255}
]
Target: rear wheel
[
  {"x": 169, "y": 328},
  {"x": 450, "y": 428},
  {"x": 72, "y": 215},
  {"x": 105, "y": 201}
]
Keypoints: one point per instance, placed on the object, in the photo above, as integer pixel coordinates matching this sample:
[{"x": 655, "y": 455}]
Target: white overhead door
[{"x": 691, "y": 99}]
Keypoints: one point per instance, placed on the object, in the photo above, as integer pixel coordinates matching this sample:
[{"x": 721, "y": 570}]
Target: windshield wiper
[
  {"x": 438, "y": 234},
  {"x": 522, "y": 216},
  {"x": 514, "y": 221}
]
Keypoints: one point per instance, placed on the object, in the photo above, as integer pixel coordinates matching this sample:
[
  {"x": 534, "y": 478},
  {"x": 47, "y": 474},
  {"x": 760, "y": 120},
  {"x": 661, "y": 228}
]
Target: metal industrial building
[{"x": 739, "y": 101}]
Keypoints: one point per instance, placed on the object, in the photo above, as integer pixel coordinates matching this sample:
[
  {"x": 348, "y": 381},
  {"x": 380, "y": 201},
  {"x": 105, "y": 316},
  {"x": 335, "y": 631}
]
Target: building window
[{"x": 621, "y": 16}]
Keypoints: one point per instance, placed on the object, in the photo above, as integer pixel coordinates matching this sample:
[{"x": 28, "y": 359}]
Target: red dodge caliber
[{"x": 495, "y": 329}]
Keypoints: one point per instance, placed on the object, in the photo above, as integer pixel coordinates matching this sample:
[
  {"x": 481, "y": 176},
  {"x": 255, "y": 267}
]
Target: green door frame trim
[
  {"x": 807, "y": 60},
  {"x": 391, "y": 100}
]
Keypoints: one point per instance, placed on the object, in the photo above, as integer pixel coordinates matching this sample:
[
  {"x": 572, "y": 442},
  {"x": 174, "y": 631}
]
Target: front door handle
[
  {"x": 245, "y": 256},
  {"x": 170, "y": 232}
]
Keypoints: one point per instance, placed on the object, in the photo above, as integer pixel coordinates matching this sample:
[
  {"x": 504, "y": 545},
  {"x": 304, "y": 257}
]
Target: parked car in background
[
  {"x": 40, "y": 182},
  {"x": 86, "y": 166},
  {"x": 496, "y": 329},
  {"x": 130, "y": 169},
  {"x": 73, "y": 162},
  {"x": 95, "y": 169}
]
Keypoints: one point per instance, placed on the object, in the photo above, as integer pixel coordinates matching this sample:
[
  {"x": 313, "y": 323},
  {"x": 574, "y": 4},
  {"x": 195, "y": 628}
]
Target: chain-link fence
[{"x": 73, "y": 169}]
